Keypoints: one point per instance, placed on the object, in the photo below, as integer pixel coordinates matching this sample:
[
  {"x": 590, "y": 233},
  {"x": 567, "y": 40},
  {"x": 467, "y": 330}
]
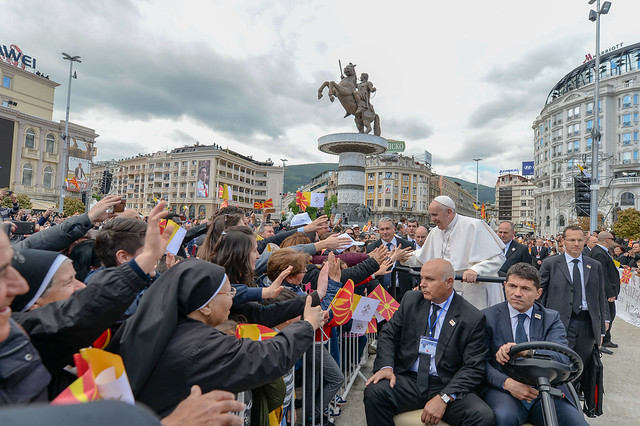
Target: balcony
[
  {"x": 31, "y": 153},
  {"x": 626, "y": 181},
  {"x": 51, "y": 157}
]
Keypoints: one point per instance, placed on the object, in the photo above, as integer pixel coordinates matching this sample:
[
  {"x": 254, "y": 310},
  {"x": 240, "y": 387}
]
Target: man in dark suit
[
  {"x": 404, "y": 282},
  {"x": 520, "y": 320},
  {"x": 431, "y": 355},
  {"x": 592, "y": 240},
  {"x": 539, "y": 253},
  {"x": 600, "y": 252},
  {"x": 573, "y": 285},
  {"x": 513, "y": 251}
]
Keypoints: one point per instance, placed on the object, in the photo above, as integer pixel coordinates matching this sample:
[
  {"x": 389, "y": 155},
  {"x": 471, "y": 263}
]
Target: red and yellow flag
[
  {"x": 268, "y": 204},
  {"x": 341, "y": 305},
  {"x": 258, "y": 206},
  {"x": 102, "y": 341},
  {"x": 220, "y": 191},
  {"x": 372, "y": 327},
  {"x": 626, "y": 276},
  {"x": 74, "y": 182},
  {"x": 224, "y": 204},
  {"x": 303, "y": 199},
  {"x": 483, "y": 213},
  {"x": 255, "y": 332},
  {"x": 388, "y": 305}
]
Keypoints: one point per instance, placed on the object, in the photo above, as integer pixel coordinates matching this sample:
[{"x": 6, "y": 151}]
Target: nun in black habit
[{"x": 170, "y": 344}]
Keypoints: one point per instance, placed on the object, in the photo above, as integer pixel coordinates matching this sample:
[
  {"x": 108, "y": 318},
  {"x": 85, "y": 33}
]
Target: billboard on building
[
  {"x": 527, "y": 168},
  {"x": 79, "y": 166},
  {"x": 203, "y": 190},
  {"x": 395, "y": 146},
  {"x": 6, "y": 145},
  {"x": 428, "y": 158}
]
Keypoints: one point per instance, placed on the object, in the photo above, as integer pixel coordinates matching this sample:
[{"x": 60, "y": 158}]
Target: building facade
[
  {"x": 563, "y": 139},
  {"x": 188, "y": 178},
  {"x": 515, "y": 201},
  {"x": 462, "y": 198},
  {"x": 31, "y": 143},
  {"x": 397, "y": 186}
]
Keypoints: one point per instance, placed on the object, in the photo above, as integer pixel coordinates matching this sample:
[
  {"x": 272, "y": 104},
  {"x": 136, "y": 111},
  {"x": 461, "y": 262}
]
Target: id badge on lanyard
[{"x": 428, "y": 345}]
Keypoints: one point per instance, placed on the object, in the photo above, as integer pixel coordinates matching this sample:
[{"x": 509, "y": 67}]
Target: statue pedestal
[{"x": 352, "y": 148}]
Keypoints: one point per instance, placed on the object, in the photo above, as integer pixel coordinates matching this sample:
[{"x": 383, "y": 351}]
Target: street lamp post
[
  {"x": 477, "y": 160},
  {"x": 65, "y": 137},
  {"x": 594, "y": 16}
]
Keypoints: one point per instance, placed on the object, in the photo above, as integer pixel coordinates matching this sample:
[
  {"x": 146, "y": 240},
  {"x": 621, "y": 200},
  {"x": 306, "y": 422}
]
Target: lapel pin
[
  {"x": 589, "y": 266},
  {"x": 537, "y": 316},
  {"x": 513, "y": 249},
  {"x": 452, "y": 322}
]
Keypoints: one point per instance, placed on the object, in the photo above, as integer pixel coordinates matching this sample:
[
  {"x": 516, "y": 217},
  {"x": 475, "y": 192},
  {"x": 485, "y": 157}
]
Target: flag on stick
[
  {"x": 388, "y": 305},
  {"x": 341, "y": 305}
]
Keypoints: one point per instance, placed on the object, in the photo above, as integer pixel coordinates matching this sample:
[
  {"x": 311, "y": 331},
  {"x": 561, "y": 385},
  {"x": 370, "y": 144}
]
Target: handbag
[{"x": 593, "y": 384}]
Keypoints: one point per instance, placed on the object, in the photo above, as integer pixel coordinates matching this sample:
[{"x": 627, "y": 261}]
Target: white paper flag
[
  {"x": 365, "y": 308},
  {"x": 317, "y": 199}
]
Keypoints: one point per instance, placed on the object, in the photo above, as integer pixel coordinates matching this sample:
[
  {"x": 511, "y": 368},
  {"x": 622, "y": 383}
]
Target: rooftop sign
[{"x": 14, "y": 56}]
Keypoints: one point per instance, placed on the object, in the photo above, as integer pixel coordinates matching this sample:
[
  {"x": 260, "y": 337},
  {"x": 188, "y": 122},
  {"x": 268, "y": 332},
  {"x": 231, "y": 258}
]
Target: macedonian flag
[
  {"x": 258, "y": 206},
  {"x": 268, "y": 204},
  {"x": 303, "y": 199},
  {"x": 341, "y": 305},
  {"x": 388, "y": 305},
  {"x": 626, "y": 276},
  {"x": 255, "y": 332}
]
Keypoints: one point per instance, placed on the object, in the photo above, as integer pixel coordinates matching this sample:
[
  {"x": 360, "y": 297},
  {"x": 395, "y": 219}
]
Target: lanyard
[{"x": 444, "y": 308}]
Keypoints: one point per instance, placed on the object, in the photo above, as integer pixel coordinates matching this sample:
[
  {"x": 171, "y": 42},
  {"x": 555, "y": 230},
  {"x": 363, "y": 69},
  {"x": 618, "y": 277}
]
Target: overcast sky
[{"x": 462, "y": 79}]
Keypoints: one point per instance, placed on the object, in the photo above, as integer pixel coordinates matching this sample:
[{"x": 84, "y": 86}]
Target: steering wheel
[{"x": 528, "y": 370}]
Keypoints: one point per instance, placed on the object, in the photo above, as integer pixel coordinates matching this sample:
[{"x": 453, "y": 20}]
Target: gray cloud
[{"x": 410, "y": 129}]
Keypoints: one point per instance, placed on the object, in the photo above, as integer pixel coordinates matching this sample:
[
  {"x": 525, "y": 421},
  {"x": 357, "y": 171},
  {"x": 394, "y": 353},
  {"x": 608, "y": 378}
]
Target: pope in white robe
[{"x": 472, "y": 248}]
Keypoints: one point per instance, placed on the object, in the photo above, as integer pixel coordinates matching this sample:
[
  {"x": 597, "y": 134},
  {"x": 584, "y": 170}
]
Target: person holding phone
[{"x": 6, "y": 212}]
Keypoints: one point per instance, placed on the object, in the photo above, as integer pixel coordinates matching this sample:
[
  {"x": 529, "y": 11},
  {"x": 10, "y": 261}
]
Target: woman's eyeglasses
[{"x": 231, "y": 293}]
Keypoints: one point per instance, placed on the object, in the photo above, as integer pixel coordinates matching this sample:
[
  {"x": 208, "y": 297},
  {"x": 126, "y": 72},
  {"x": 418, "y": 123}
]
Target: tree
[
  {"x": 72, "y": 206},
  {"x": 23, "y": 200},
  {"x": 628, "y": 224},
  {"x": 328, "y": 204},
  {"x": 584, "y": 222}
]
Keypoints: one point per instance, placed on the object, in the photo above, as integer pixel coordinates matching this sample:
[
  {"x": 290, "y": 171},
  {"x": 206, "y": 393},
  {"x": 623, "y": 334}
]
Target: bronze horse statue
[{"x": 344, "y": 91}]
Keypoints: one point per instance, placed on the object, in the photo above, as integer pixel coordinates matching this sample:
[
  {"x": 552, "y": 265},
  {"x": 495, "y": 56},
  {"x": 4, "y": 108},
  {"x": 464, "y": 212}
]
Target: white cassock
[{"x": 467, "y": 243}]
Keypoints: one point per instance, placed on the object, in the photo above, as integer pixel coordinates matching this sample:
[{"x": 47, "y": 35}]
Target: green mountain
[
  {"x": 298, "y": 175},
  {"x": 486, "y": 194}
]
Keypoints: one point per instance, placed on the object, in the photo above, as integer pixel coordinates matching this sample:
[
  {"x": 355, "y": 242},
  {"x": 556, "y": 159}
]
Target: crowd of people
[{"x": 173, "y": 317}]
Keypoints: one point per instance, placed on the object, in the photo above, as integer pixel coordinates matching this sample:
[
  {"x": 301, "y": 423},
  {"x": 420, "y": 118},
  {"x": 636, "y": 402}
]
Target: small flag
[
  {"x": 254, "y": 332},
  {"x": 364, "y": 307},
  {"x": 388, "y": 305},
  {"x": 626, "y": 276},
  {"x": 258, "y": 206},
  {"x": 341, "y": 305},
  {"x": 373, "y": 326},
  {"x": 483, "y": 213},
  {"x": 268, "y": 204},
  {"x": 224, "y": 204},
  {"x": 475, "y": 206},
  {"x": 74, "y": 182},
  {"x": 226, "y": 192},
  {"x": 317, "y": 199},
  {"x": 303, "y": 200},
  {"x": 220, "y": 191}
]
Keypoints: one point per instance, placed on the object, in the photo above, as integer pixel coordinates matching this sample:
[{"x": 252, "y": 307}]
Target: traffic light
[
  {"x": 103, "y": 186},
  {"x": 109, "y": 178},
  {"x": 582, "y": 185}
]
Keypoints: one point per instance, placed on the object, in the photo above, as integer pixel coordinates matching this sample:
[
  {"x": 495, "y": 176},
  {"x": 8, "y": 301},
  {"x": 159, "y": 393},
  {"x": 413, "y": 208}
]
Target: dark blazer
[
  {"x": 557, "y": 291},
  {"x": 406, "y": 283},
  {"x": 517, "y": 253},
  {"x": 544, "y": 253},
  {"x": 609, "y": 270},
  {"x": 461, "y": 349},
  {"x": 545, "y": 327}
]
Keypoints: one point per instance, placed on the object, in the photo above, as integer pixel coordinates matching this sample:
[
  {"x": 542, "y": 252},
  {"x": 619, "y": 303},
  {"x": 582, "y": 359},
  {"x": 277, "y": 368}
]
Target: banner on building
[
  {"x": 395, "y": 146},
  {"x": 79, "y": 166},
  {"x": 527, "y": 168},
  {"x": 204, "y": 168}
]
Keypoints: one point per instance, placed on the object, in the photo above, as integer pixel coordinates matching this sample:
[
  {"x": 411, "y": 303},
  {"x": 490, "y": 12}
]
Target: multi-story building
[
  {"x": 396, "y": 186},
  {"x": 189, "y": 178},
  {"x": 563, "y": 138},
  {"x": 464, "y": 200},
  {"x": 515, "y": 202},
  {"x": 31, "y": 143}
]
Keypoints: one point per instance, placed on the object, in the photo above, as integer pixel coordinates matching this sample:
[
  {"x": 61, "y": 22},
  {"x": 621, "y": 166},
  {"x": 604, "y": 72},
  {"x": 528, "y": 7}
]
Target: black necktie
[
  {"x": 425, "y": 360},
  {"x": 577, "y": 288},
  {"x": 386, "y": 280},
  {"x": 521, "y": 334}
]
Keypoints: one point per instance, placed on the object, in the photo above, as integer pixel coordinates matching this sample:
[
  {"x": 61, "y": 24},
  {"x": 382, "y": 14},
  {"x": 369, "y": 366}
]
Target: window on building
[
  {"x": 6, "y": 81},
  {"x": 626, "y": 120},
  {"x": 561, "y": 222},
  {"x": 626, "y": 101},
  {"x": 626, "y": 138},
  {"x": 405, "y": 204},
  {"x": 47, "y": 177},
  {"x": 371, "y": 176},
  {"x": 370, "y": 204},
  {"x": 547, "y": 221},
  {"x": 627, "y": 199},
  {"x": 589, "y": 125},
  {"x": 395, "y": 203},
  {"x": 370, "y": 189},
  {"x": 27, "y": 175},
  {"x": 30, "y": 139},
  {"x": 405, "y": 189},
  {"x": 50, "y": 144},
  {"x": 590, "y": 108},
  {"x": 379, "y": 202},
  {"x": 387, "y": 203},
  {"x": 626, "y": 157},
  {"x": 548, "y": 204}
]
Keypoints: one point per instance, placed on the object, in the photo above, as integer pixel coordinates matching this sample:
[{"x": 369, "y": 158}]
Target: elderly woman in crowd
[{"x": 171, "y": 343}]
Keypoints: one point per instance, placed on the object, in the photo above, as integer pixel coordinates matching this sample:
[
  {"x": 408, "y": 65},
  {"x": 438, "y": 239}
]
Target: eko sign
[{"x": 14, "y": 56}]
